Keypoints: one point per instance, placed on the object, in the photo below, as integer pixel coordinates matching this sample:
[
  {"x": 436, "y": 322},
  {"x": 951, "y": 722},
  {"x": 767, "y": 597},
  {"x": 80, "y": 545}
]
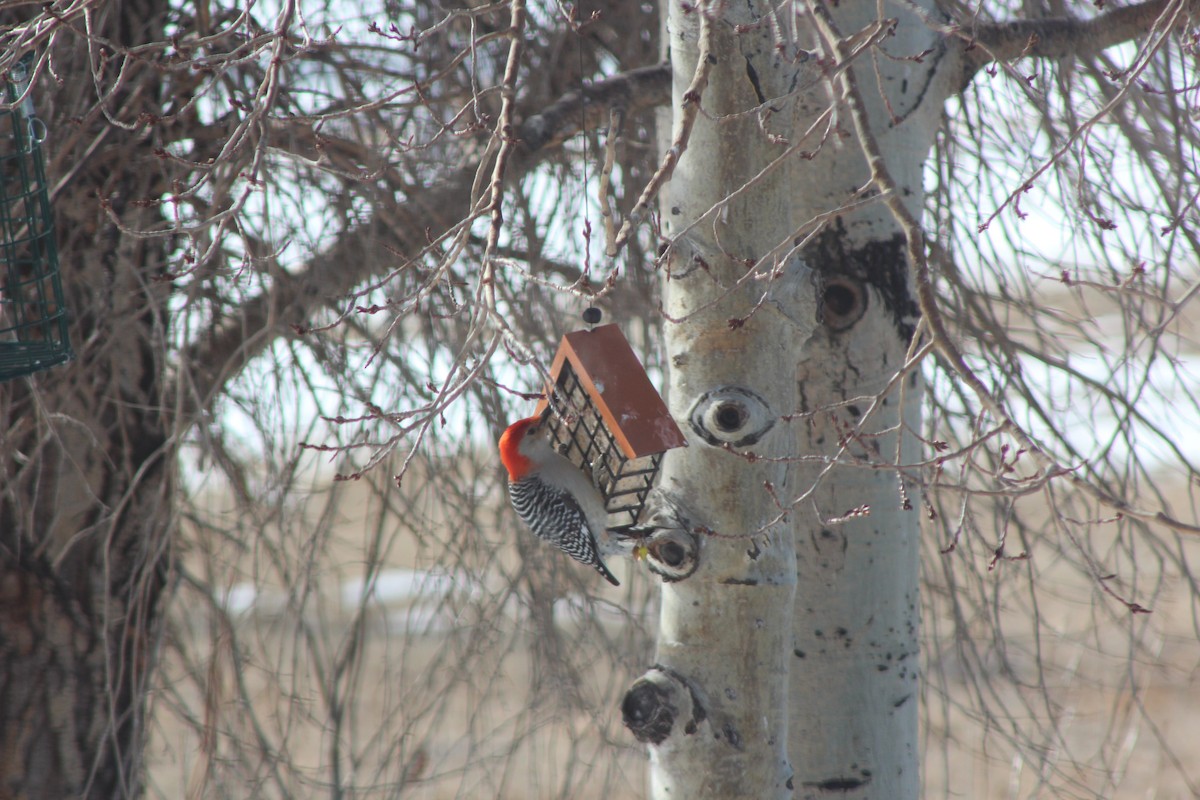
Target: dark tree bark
[{"x": 86, "y": 467}]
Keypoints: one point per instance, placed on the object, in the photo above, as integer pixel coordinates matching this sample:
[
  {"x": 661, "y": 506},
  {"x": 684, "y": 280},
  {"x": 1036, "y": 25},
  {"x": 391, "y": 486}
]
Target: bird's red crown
[{"x": 517, "y": 463}]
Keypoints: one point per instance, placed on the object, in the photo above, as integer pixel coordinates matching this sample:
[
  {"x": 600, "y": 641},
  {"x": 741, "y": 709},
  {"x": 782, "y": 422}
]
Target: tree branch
[
  {"x": 636, "y": 90},
  {"x": 1060, "y": 37},
  {"x": 369, "y": 250},
  {"x": 934, "y": 320}
]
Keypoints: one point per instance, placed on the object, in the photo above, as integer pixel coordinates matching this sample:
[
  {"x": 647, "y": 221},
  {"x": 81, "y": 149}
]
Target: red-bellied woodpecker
[{"x": 554, "y": 497}]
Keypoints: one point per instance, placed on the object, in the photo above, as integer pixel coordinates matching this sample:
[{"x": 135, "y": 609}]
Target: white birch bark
[
  {"x": 794, "y": 646},
  {"x": 725, "y": 639},
  {"x": 855, "y": 671}
]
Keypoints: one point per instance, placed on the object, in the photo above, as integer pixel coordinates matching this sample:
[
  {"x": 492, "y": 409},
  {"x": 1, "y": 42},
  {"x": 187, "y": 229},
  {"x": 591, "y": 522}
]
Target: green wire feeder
[{"x": 33, "y": 315}]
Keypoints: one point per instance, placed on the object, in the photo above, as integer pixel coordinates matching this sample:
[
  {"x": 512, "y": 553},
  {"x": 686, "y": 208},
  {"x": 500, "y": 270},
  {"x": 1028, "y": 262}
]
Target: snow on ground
[{"x": 414, "y": 602}]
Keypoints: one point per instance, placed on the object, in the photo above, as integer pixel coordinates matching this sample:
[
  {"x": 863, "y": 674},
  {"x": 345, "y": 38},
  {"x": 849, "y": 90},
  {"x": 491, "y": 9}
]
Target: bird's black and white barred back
[{"x": 549, "y": 511}]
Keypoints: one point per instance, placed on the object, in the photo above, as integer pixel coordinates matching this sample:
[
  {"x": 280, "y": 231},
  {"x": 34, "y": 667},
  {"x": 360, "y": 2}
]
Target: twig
[
  {"x": 927, "y": 299},
  {"x": 690, "y": 109},
  {"x": 608, "y": 211},
  {"x": 504, "y": 125}
]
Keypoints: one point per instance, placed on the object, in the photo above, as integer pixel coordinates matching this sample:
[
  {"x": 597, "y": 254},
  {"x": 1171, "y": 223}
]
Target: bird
[{"x": 554, "y": 497}]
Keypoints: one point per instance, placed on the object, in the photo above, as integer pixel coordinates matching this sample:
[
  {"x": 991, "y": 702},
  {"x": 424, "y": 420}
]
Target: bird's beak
[{"x": 545, "y": 415}]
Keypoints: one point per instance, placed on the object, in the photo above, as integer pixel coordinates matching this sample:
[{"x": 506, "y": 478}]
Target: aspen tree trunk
[
  {"x": 725, "y": 637},
  {"x": 854, "y": 671},
  {"x": 788, "y": 661}
]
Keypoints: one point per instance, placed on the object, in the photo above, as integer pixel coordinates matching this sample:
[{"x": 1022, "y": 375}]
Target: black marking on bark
[
  {"x": 673, "y": 554},
  {"x": 732, "y": 736},
  {"x": 881, "y": 264},
  {"x": 730, "y": 415},
  {"x": 752, "y": 74},
  {"x": 838, "y": 784},
  {"x": 648, "y": 712},
  {"x": 841, "y": 302}
]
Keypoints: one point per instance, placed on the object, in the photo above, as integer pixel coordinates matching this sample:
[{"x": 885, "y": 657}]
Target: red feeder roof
[{"x": 611, "y": 374}]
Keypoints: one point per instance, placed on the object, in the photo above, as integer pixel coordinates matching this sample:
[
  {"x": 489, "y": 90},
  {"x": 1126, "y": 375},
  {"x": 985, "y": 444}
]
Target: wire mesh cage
[
  {"x": 33, "y": 315},
  {"x": 609, "y": 419}
]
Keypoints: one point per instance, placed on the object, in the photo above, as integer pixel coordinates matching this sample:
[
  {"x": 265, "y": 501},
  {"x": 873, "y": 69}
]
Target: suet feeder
[
  {"x": 33, "y": 314},
  {"x": 609, "y": 419}
]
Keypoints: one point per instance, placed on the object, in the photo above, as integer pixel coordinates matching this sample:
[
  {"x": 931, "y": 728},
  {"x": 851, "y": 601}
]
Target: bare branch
[
  {"x": 504, "y": 126},
  {"x": 1059, "y": 37},
  {"x": 927, "y": 299},
  {"x": 683, "y": 132},
  {"x": 368, "y": 251}
]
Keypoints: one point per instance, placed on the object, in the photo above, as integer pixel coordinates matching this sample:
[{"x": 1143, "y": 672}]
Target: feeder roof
[{"x": 611, "y": 374}]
